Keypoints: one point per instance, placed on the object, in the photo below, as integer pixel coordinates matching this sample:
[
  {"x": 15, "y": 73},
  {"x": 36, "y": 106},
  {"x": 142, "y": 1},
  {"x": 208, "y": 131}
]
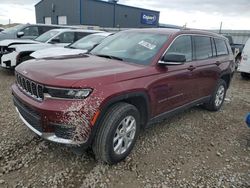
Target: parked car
[
  {"x": 16, "y": 54},
  {"x": 130, "y": 81},
  {"x": 24, "y": 34},
  {"x": 244, "y": 65},
  {"x": 236, "y": 48},
  {"x": 27, "y": 31},
  {"x": 1, "y": 29},
  {"x": 81, "y": 46}
]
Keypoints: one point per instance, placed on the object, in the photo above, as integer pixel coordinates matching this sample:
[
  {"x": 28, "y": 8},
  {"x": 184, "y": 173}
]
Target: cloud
[
  {"x": 226, "y": 7},
  {"x": 201, "y": 14},
  {"x": 20, "y": 2}
]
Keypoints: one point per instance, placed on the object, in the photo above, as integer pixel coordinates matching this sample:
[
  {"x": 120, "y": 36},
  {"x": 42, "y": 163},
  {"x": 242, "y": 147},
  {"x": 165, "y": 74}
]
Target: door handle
[
  {"x": 218, "y": 63},
  {"x": 191, "y": 68}
]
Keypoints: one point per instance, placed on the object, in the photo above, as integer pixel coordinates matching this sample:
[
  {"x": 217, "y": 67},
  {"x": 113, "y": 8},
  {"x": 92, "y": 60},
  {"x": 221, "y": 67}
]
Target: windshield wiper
[{"x": 109, "y": 56}]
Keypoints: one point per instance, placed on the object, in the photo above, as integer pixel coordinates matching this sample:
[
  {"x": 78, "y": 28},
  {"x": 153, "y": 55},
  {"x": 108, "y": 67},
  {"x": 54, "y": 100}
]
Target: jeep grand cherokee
[{"x": 131, "y": 80}]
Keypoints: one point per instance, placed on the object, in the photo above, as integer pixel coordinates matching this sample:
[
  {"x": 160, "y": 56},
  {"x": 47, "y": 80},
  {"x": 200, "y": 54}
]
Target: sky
[{"x": 200, "y": 14}]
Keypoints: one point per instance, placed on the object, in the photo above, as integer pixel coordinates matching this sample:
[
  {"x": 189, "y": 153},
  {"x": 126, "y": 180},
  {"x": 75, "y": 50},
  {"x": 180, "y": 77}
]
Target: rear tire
[
  {"x": 217, "y": 98},
  {"x": 117, "y": 134}
]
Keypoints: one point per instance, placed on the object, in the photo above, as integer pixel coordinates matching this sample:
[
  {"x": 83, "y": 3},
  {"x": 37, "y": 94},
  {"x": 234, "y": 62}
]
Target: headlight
[{"x": 67, "y": 93}]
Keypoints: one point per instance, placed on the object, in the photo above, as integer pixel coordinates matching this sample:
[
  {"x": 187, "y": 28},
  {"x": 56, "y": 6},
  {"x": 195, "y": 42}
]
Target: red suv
[{"x": 131, "y": 80}]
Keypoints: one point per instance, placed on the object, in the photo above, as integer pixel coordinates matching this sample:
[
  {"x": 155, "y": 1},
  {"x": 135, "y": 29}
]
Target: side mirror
[
  {"x": 20, "y": 34},
  {"x": 173, "y": 59},
  {"x": 54, "y": 41}
]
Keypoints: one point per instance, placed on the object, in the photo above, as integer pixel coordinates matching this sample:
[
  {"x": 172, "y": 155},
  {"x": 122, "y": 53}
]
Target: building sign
[{"x": 149, "y": 19}]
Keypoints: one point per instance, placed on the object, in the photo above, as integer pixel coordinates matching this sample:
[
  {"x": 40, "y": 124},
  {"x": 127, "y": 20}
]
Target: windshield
[
  {"x": 88, "y": 42},
  {"x": 14, "y": 29},
  {"x": 46, "y": 36},
  {"x": 131, "y": 46}
]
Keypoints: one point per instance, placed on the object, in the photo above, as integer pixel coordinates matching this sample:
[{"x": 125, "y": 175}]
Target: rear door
[
  {"x": 206, "y": 72},
  {"x": 210, "y": 55}
]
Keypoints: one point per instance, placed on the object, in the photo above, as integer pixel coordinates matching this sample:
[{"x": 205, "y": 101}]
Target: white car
[
  {"x": 79, "y": 47},
  {"x": 18, "y": 53},
  {"x": 244, "y": 65}
]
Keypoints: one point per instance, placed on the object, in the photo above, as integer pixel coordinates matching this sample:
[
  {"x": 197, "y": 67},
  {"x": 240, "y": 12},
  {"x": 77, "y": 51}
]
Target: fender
[{"x": 112, "y": 100}]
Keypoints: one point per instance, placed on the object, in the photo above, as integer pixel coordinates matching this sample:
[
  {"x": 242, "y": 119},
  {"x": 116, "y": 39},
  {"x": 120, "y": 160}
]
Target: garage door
[
  {"x": 47, "y": 20},
  {"x": 62, "y": 20}
]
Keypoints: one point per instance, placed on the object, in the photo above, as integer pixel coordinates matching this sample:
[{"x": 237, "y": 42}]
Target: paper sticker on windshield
[{"x": 147, "y": 45}]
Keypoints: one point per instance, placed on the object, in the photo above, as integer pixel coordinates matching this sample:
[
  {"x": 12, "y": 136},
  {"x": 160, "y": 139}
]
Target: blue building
[{"x": 96, "y": 13}]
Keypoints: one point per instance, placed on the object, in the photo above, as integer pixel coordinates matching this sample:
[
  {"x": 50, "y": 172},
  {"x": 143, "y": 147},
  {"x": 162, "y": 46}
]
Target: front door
[{"x": 175, "y": 86}]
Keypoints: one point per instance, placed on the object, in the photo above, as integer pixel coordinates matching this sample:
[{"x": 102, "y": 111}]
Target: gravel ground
[{"x": 194, "y": 149}]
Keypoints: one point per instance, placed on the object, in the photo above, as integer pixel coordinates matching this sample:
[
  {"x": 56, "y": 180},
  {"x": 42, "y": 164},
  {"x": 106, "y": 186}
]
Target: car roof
[
  {"x": 171, "y": 31},
  {"x": 76, "y": 30}
]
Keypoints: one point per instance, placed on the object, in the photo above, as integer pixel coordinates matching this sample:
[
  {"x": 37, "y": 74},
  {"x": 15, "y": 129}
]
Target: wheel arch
[{"x": 139, "y": 99}]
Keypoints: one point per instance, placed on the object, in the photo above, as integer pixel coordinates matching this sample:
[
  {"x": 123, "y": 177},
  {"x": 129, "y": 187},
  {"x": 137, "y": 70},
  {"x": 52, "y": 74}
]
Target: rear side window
[
  {"x": 221, "y": 47},
  {"x": 183, "y": 46},
  {"x": 203, "y": 48}
]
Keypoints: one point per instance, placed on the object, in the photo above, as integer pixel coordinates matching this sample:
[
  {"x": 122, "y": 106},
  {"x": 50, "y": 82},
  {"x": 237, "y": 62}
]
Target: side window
[
  {"x": 213, "y": 48},
  {"x": 31, "y": 31},
  {"x": 203, "y": 48},
  {"x": 43, "y": 29},
  {"x": 221, "y": 47},
  {"x": 182, "y": 45},
  {"x": 67, "y": 37},
  {"x": 80, "y": 35}
]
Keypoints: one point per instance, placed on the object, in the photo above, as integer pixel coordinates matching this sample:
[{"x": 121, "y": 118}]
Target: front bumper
[
  {"x": 47, "y": 136},
  {"x": 9, "y": 60},
  {"x": 45, "y": 118}
]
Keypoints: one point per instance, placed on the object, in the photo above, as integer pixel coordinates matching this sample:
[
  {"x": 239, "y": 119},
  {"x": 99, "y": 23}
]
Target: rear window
[
  {"x": 221, "y": 47},
  {"x": 203, "y": 48}
]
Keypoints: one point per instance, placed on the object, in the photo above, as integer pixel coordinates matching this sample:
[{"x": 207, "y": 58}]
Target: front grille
[
  {"x": 30, "y": 115},
  {"x": 29, "y": 87}
]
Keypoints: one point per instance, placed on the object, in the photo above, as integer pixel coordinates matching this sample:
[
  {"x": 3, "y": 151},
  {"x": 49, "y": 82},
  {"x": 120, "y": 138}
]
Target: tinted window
[
  {"x": 31, "y": 31},
  {"x": 67, "y": 37},
  {"x": 183, "y": 46},
  {"x": 43, "y": 29},
  {"x": 80, "y": 35},
  {"x": 221, "y": 47},
  {"x": 203, "y": 48}
]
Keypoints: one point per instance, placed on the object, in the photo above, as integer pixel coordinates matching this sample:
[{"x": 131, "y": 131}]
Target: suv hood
[
  {"x": 31, "y": 47},
  {"x": 56, "y": 51},
  {"x": 8, "y": 42},
  {"x": 78, "y": 71}
]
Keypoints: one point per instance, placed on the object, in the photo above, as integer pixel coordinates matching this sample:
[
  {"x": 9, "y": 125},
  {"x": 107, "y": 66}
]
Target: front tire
[
  {"x": 217, "y": 98},
  {"x": 117, "y": 134}
]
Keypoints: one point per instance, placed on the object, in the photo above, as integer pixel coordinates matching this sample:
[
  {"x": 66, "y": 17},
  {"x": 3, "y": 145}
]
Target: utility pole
[
  {"x": 9, "y": 21},
  {"x": 220, "y": 27}
]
